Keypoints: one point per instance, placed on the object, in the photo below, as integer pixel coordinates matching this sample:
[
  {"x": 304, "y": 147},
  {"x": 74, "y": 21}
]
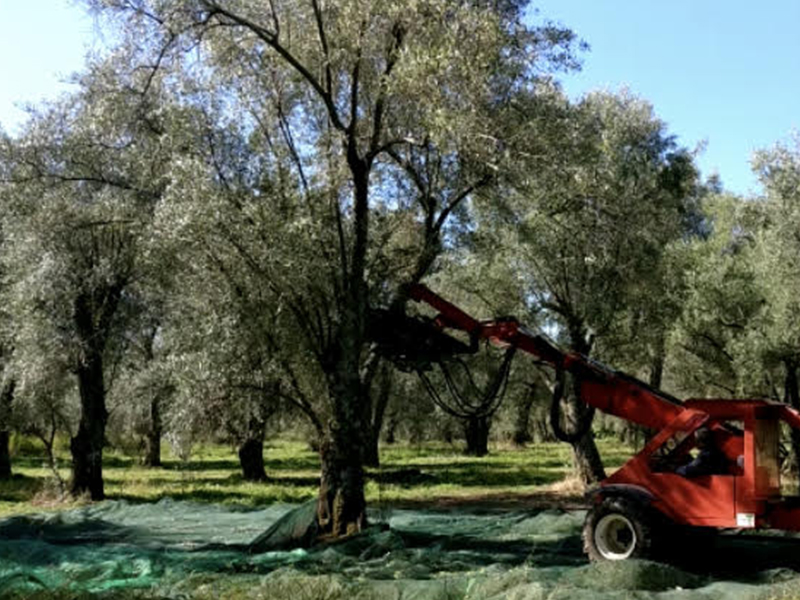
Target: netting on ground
[{"x": 184, "y": 550}]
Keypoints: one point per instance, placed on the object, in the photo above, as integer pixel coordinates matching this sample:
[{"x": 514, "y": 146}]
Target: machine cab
[{"x": 741, "y": 489}]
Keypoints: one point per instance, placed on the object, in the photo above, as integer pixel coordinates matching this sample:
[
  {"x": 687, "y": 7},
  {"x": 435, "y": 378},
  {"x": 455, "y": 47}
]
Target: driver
[{"x": 709, "y": 460}]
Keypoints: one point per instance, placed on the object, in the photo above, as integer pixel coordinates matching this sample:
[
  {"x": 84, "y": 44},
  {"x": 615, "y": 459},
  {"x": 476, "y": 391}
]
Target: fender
[{"x": 628, "y": 490}]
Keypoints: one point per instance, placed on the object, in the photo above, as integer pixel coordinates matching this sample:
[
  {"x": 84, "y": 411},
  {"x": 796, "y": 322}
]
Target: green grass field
[{"x": 426, "y": 474}]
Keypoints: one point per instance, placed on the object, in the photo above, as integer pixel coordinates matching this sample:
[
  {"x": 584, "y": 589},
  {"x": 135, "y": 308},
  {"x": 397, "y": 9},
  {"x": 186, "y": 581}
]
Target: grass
[{"x": 421, "y": 474}]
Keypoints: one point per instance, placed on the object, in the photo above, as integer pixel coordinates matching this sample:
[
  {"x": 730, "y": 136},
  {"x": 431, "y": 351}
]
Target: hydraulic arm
[{"x": 603, "y": 388}]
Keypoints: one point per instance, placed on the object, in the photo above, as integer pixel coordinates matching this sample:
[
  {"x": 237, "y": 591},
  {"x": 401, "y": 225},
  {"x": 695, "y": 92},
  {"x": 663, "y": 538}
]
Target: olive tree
[
  {"x": 373, "y": 104},
  {"x": 81, "y": 183},
  {"x": 587, "y": 221},
  {"x": 775, "y": 336}
]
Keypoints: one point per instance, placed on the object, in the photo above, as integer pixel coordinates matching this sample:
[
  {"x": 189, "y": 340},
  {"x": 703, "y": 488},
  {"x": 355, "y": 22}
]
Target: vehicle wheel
[{"x": 619, "y": 528}]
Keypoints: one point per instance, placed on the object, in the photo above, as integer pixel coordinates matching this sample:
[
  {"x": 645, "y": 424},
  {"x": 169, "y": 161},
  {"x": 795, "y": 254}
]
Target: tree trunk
[
  {"x": 87, "y": 445},
  {"x": 638, "y": 435},
  {"x": 5, "y": 456},
  {"x": 251, "y": 457},
  {"x": 792, "y": 398},
  {"x": 152, "y": 457},
  {"x": 372, "y": 450},
  {"x": 587, "y": 461},
  {"x": 251, "y": 447},
  {"x": 391, "y": 428},
  {"x": 585, "y": 455},
  {"x": 657, "y": 366},
  {"x": 6, "y": 397},
  {"x": 476, "y": 432},
  {"x": 522, "y": 422},
  {"x": 341, "y": 506},
  {"x": 447, "y": 430}
]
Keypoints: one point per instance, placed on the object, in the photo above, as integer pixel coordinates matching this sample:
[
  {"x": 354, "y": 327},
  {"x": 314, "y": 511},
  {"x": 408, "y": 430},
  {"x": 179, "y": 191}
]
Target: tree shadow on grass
[
  {"x": 488, "y": 476},
  {"x": 57, "y": 529},
  {"x": 233, "y": 479},
  {"x": 224, "y": 497},
  {"x": 736, "y": 556},
  {"x": 19, "y": 488},
  {"x": 298, "y": 463},
  {"x": 201, "y": 465},
  {"x": 482, "y": 465}
]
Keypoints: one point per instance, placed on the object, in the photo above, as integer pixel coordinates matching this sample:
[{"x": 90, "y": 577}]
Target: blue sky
[
  {"x": 724, "y": 72},
  {"x": 41, "y": 43}
]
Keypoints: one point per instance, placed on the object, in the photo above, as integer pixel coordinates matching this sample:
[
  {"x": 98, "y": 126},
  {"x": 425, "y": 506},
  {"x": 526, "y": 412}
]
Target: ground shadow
[{"x": 738, "y": 556}]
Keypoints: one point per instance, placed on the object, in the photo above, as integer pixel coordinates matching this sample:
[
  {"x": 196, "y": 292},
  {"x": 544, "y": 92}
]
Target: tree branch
[
  {"x": 453, "y": 204},
  {"x": 271, "y": 39},
  {"x": 323, "y": 40}
]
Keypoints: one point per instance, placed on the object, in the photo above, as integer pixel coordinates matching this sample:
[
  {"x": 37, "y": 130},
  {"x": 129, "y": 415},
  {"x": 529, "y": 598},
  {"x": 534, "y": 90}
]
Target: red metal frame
[{"x": 747, "y": 496}]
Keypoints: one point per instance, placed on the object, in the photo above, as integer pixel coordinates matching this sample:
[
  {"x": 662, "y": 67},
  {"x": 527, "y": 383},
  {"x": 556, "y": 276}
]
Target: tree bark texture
[
  {"x": 391, "y": 428},
  {"x": 372, "y": 456},
  {"x": 6, "y": 397},
  {"x": 87, "y": 445},
  {"x": 251, "y": 448},
  {"x": 587, "y": 461},
  {"x": 522, "y": 420},
  {"x": 152, "y": 457},
  {"x": 476, "y": 433},
  {"x": 372, "y": 450},
  {"x": 341, "y": 506},
  {"x": 251, "y": 458},
  {"x": 585, "y": 455},
  {"x": 5, "y": 456},
  {"x": 93, "y": 314}
]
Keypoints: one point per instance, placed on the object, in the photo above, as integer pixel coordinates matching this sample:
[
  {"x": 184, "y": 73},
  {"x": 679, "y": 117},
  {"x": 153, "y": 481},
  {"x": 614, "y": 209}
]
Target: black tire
[{"x": 619, "y": 528}]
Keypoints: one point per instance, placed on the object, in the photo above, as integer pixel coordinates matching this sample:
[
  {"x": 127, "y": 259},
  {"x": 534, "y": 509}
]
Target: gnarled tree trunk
[
  {"x": 93, "y": 313},
  {"x": 152, "y": 457},
  {"x": 372, "y": 449},
  {"x": 341, "y": 505},
  {"x": 585, "y": 455},
  {"x": 251, "y": 458},
  {"x": 251, "y": 450},
  {"x": 476, "y": 433},
  {"x": 87, "y": 445},
  {"x": 522, "y": 420},
  {"x": 6, "y": 397}
]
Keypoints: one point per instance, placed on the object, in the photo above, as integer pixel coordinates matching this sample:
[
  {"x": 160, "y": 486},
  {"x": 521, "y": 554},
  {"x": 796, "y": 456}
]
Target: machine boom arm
[{"x": 608, "y": 390}]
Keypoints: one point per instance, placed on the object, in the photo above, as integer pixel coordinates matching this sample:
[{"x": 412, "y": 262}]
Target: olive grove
[{"x": 201, "y": 240}]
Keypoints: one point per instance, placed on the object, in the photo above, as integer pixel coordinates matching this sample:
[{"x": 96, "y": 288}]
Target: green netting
[{"x": 184, "y": 550}]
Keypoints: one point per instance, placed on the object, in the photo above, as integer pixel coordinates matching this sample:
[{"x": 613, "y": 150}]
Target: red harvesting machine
[{"x": 634, "y": 509}]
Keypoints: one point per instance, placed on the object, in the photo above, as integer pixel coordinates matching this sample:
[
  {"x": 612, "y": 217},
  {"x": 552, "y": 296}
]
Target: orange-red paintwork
[{"x": 748, "y": 495}]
